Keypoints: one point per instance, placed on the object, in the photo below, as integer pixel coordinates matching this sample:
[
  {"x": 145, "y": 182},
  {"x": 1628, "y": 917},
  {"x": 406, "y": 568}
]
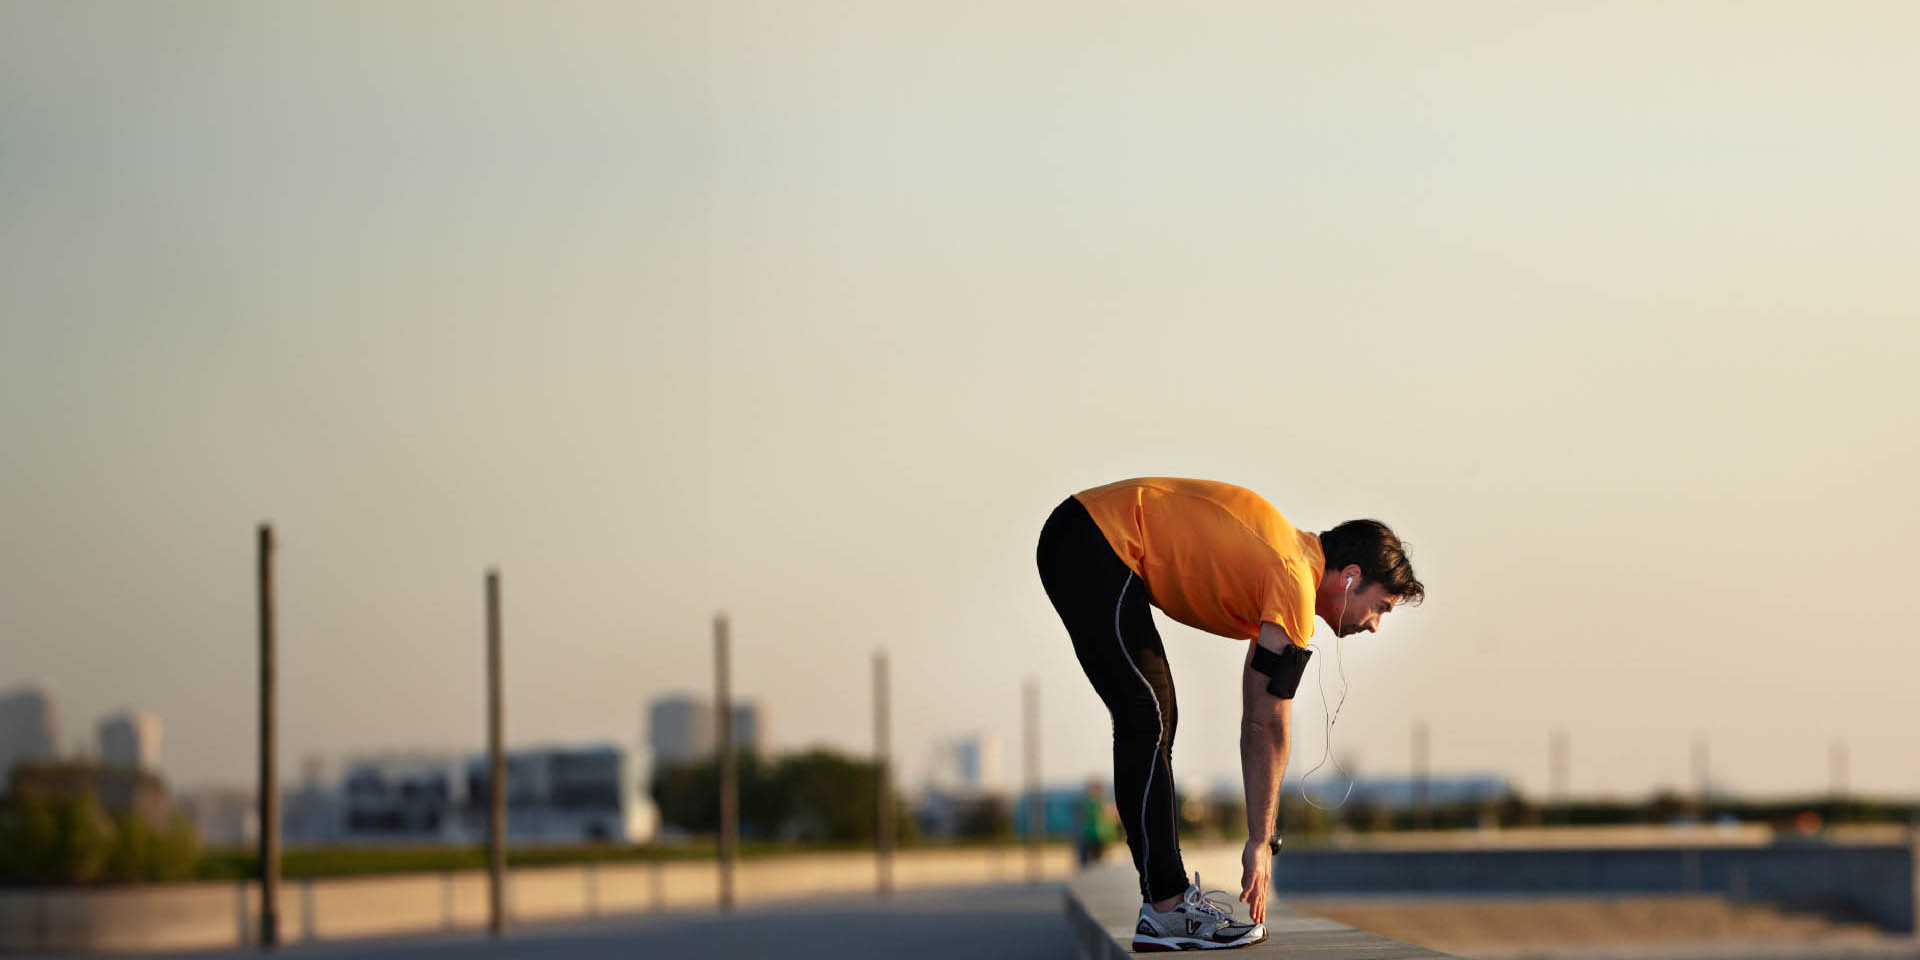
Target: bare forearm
[{"x": 1263, "y": 762}]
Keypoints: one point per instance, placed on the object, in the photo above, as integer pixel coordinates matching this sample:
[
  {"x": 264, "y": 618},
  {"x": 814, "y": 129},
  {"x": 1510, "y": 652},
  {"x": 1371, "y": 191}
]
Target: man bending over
[{"x": 1219, "y": 558}]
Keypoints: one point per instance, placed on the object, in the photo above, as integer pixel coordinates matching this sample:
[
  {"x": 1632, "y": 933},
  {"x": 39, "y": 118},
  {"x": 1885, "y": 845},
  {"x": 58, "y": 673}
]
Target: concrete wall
[
  {"x": 1875, "y": 881},
  {"x": 212, "y": 915}
]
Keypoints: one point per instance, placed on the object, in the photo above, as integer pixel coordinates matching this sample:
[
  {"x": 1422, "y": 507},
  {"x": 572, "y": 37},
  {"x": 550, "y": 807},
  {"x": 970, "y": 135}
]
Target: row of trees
[
  {"x": 826, "y": 797},
  {"x": 73, "y": 840},
  {"x": 819, "y": 796}
]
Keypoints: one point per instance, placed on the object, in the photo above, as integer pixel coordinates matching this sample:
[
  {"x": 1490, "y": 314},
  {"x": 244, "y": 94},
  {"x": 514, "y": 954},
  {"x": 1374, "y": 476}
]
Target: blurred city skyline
[{"x": 811, "y": 317}]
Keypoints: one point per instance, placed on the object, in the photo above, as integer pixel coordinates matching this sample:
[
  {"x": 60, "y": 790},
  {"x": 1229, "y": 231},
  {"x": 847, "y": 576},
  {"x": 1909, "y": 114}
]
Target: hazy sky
[{"x": 812, "y": 312}]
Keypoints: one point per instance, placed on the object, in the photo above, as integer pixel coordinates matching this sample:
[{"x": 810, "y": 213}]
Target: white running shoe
[{"x": 1200, "y": 921}]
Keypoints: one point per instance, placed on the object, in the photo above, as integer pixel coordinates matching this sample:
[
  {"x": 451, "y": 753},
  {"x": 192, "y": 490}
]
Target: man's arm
[{"x": 1266, "y": 723}]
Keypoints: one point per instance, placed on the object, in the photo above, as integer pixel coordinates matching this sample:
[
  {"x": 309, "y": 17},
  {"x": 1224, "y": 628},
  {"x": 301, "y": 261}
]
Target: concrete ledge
[
  {"x": 207, "y": 916},
  {"x": 1101, "y": 905},
  {"x": 1095, "y": 943}
]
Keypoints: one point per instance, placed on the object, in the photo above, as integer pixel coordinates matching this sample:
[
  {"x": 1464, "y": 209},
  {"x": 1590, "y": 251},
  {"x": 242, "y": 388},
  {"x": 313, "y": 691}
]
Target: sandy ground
[{"x": 1598, "y": 928}]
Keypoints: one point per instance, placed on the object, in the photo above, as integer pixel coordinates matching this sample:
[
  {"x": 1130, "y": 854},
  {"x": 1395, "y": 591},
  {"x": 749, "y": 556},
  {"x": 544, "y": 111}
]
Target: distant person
[
  {"x": 1219, "y": 558},
  {"x": 1094, "y": 825}
]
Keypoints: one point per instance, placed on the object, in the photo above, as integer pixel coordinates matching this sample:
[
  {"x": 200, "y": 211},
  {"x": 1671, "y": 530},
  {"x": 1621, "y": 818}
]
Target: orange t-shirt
[{"x": 1214, "y": 556}]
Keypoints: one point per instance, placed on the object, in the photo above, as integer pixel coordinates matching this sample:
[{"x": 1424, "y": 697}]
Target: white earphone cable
[{"x": 1332, "y": 716}]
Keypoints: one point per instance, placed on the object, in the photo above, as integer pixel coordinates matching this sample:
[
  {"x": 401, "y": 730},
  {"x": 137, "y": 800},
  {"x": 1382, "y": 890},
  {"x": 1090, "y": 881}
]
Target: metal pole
[
  {"x": 729, "y": 776},
  {"x": 1423, "y": 812},
  {"x": 496, "y": 768},
  {"x": 269, "y": 767},
  {"x": 1837, "y": 770},
  {"x": 1700, "y": 774},
  {"x": 882, "y": 777},
  {"x": 1558, "y": 765},
  {"x": 1036, "y": 812}
]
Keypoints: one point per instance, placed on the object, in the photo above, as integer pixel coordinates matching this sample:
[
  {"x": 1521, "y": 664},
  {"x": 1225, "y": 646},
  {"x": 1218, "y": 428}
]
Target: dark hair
[{"x": 1379, "y": 553}]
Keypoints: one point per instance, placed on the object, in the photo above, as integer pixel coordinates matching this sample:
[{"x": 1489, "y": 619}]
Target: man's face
[{"x": 1364, "y": 610}]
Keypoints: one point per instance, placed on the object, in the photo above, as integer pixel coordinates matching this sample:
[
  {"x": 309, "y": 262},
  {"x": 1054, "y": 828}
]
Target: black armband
[{"x": 1283, "y": 669}]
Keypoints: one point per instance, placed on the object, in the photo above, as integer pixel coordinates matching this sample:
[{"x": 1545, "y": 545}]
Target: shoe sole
[{"x": 1142, "y": 944}]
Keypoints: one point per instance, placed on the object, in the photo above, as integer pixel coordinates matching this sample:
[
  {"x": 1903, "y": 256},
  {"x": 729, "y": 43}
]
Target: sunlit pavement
[{"x": 1007, "y": 921}]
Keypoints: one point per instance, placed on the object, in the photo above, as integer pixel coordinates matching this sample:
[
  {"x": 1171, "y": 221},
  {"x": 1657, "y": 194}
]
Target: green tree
[
  {"x": 817, "y": 796},
  {"x": 829, "y": 798},
  {"x": 54, "y": 840},
  {"x": 139, "y": 851}
]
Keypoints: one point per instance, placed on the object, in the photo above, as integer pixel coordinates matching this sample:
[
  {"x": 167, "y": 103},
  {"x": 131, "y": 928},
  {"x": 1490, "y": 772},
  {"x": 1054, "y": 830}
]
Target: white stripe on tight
[{"x": 1160, "y": 730}]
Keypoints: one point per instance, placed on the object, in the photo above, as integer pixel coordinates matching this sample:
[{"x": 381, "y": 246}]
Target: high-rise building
[
  {"x": 26, "y": 728},
  {"x": 680, "y": 727},
  {"x": 131, "y": 740},
  {"x": 749, "y": 727}
]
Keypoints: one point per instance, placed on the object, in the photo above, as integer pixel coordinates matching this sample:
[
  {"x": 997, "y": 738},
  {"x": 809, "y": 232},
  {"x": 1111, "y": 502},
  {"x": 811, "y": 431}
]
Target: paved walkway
[{"x": 1019, "y": 922}]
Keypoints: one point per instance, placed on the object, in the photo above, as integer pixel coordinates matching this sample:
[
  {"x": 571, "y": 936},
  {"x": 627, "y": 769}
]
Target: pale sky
[{"x": 812, "y": 312}]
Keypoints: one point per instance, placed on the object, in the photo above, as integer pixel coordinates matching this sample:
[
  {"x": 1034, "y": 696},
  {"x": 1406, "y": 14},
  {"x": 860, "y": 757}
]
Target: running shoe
[{"x": 1200, "y": 921}]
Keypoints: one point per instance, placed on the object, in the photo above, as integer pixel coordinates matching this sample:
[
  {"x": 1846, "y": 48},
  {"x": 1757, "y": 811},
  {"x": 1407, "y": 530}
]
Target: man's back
[{"x": 1214, "y": 556}]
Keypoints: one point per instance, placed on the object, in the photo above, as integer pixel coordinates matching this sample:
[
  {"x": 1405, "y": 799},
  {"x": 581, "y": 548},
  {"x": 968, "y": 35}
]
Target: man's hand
[{"x": 1256, "y": 869}]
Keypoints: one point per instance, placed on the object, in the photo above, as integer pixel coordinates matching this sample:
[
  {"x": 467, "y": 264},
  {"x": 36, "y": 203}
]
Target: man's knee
[{"x": 1140, "y": 719}]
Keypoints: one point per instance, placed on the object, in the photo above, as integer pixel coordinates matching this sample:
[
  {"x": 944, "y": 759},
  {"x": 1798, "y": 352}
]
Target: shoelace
[{"x": 1204, "y": 901}]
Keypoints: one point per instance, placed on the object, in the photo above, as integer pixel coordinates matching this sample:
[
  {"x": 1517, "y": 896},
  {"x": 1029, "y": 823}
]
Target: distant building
[
  {"x": 966, "y": 790},
  {"x": 26, "y": 729},
  {"x": 314, "y": 813},
  {"x": 415, "y": 798},
  {"x": 969, "y": 764},
  {"x": 225, "y": 817},
  {"x": 555, "y": 795},
  {"x": 680, "y": 728},
  {"x": 131, "y": 741},
  {"x": 749, "y": 728}
]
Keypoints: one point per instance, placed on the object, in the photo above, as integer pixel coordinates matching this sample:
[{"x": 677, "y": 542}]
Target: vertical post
[
  {"x": 1837, "y": 770},
  {"x": 496, "y": 769},
  {"x": 882, "y": 777},
  {"x": 1036, "y": 807},
  {"x": 1422, "y": 811},
  {"x": 269, "y": 767},
  {"x": 1700, "y": 774},
  {"x": 1557, "y": 764},
  {"x": 729, "y": 776},
  {"x": 1837, "y": 774}
]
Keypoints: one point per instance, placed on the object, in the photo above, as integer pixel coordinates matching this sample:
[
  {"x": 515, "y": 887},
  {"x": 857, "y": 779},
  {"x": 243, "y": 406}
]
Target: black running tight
[{"x": 1104, "y": 606}]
